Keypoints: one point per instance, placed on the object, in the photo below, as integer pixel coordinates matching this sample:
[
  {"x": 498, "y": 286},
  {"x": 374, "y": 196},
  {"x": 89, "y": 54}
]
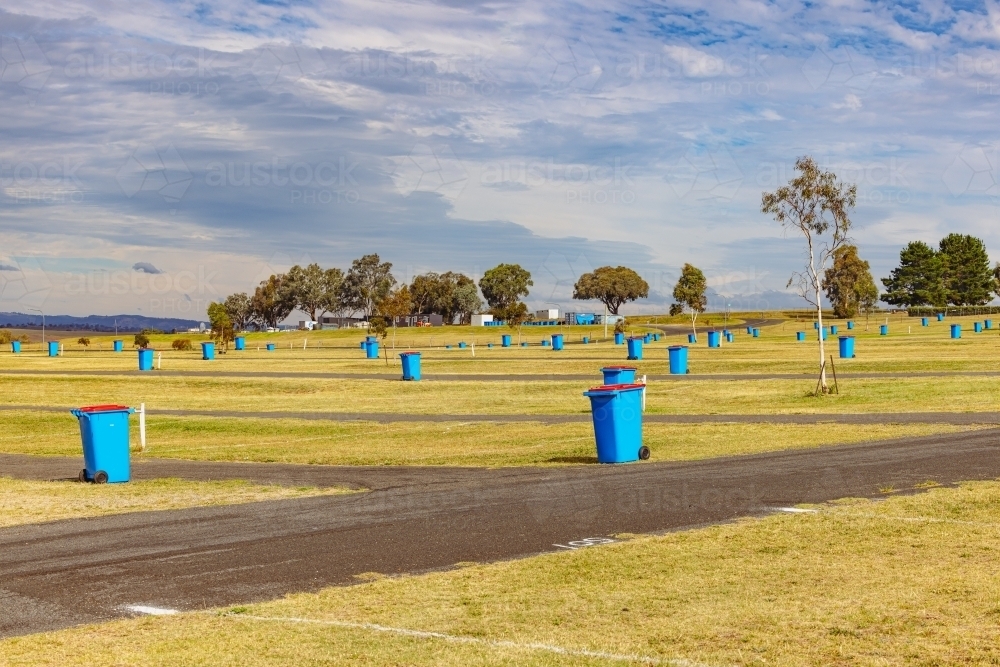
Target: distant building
[
  {"x": 580, "y": 318},
  {"x": 548, "y": 314},
  {"x": 481, "y": 320},
  {"x": 307, "y": 325}
]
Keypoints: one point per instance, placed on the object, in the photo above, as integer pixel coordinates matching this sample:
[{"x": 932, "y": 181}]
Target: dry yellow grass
[
  {"x": 431, "y": 443},
  {"x": 23, "y": 502},
  {"x": 911, "y": 580}
]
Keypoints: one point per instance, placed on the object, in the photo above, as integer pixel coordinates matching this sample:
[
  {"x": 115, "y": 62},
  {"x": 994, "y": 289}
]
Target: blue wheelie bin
[
  {"x": 850, "y": 324},
  {"x": 833, "y": 329},
  {"x": 729, "y": 336},
  {"x": 617, "y": 413},
  {"x": 923, "y": 321},
  {"x": 800, "y": 335},
  {"x": 15, "y": 346},
  {"x": 619, "y": 338},
  {"x": 117, "y": 345},
  {"x": 411, "y": 365},
  {"x": 647, "y": 338},
  {"x": 749, "y": 330},
  {"x": 692, "y": 339},
  {"x": 940, "y": 317},
  {"x": 634, "y": 348},
  {"x": 239, "y": 343},
  {"x": 145, "y": 359},
  {"x": 977, "y": 327},
  {"x": 956, "y": 330},
  {"x": 557, "y": 342},
  {"x": 208, "y": 351},
  {"x": 270, "y": 347},
  {"x": 104, "y": 431},
  {"x": 756, "y": 332},
  {"x": 883, "y": 330},
  {"x": 846, "y": 347},
  {"x": 618, "y": 374},
  {"x": 987, "y": 324},
  {"x": 53, "y": 348},
  {"x": 586, "y": 340},
  {"x": 678, "y": 355},
  {"x": 371, "y": 349},
  {"x": 713, "y": 339},
  {"x": 505, "y": 340},
  {"x": 461, "y": 345}
]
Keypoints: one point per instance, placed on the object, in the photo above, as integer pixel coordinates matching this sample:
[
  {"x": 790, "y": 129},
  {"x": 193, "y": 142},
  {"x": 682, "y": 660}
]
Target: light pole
[{"x": 37, "y": 310}]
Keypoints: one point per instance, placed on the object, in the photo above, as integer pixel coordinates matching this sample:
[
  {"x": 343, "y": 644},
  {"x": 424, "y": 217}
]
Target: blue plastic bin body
[
  {"x": 634, "y": 349},
  {"x": 505, "y": 340},
  {"x": 850, "y": 324},
  {"x": 815, "y": 325},
  {"x": 923, "y": 321},
  {"x": 714, "y": 340},
  {"x": 371, "y": 349},
  {"x": 729, "y": 336},
  {"x": 461, "y": 345},
  {"x": 104, "y": 432},
  {"x": 489, "y": 345},
  {"x": 822, "y": 333},
  {"x": 940, "y": 316},
  {"x": 239, "y": 343},
  {"x": 656, "y": 337},
  {"x": 545, "y": 342},
  {"x": 557, "y": 342},
  {"x": 15, "y": 346},
  {"x": 524, "y": 344},
  {"x": 678, "y": 356},
  {"x": 977, "y": 327},
  {"x": 749, "y": 330},
  {"x": 833, "y": 329},
  {"x": 883, "y": 330},
  {"x": 270, "y": 347},
  {"x": 117, "y": 345},
  {"x": 208, "y": 351},
  {"x": 756, "y": 332},
  {"x": 363, "y": 344},
  {"x": 956, "y": 330},
  {"x": 617, "y": 415},
  {"x": 692, "y": 339},
  {"x": 618, "y": 374},
  {"x": 411, "y": 365},
  {"x": 619, "y": 338},
  {"x": 988, "y": 324},
  {"x": 800, "y": 335},
  {"x": 586, "y": 340},
  {"x": 145, "y": 359},
  {"x": 53, "y": 348},
  {"x": 846, "y": 347}
]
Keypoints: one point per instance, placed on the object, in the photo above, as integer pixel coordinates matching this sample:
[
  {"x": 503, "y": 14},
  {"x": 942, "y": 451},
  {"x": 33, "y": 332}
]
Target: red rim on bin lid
[
  {"x": 104, "y": 408},
  {"x": 617, "y": 387}
]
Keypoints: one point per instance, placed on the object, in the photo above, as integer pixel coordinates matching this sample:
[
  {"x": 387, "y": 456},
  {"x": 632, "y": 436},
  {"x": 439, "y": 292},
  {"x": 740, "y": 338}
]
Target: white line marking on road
[
  {"x": 150, "y": 611},
  {"x": 496, "y": 643},
  {"x": 585, "y": 542}
]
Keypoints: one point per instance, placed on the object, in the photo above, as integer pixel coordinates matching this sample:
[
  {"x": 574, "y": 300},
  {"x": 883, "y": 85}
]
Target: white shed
[{"x": 481, "y": 320}]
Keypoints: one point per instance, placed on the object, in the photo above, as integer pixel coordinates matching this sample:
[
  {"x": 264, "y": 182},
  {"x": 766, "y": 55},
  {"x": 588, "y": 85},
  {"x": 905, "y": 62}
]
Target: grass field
[
  {"x": 909, "y": 347},
  {"x": 425, "y": 443},
  {"x": 23, "y": 502},
  {"x": 909, "y": 580}
]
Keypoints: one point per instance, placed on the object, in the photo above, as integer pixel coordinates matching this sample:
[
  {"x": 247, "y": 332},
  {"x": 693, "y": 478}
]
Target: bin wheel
[
  {"x": 82, "y": 477},
  {"x": 644, "y": 452},
  {"x": 100, "y": 477}
]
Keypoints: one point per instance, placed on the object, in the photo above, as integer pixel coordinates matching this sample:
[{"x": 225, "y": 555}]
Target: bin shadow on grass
[{"x": 572, "y": 459}]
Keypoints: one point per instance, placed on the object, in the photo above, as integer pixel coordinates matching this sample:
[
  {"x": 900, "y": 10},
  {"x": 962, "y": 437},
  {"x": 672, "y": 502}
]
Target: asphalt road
[
  {"x": 958, "y": 418},
  {"x": 413, "y": 520}
]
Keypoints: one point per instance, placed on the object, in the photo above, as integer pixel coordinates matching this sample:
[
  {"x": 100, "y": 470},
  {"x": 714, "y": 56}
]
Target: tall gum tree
[{"x": 818, "y": 206}]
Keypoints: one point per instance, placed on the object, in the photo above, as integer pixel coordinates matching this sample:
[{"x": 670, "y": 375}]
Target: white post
[
  {"x": 605, "y": 321},
  {"x": 159, "y": 360},
  {"x": 142, "y": 425},
  {"x": 473, "y": 348},
  {"x": 643, "y": 393},
  {"x": 304, "y": 341},
  {"x": 61, "y": 350}
]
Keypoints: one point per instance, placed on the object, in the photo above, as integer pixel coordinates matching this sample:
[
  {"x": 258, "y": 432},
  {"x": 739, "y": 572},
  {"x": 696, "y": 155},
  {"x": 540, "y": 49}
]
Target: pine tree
[
  {"x": 968, "y": 279},
  {"x": 919, "y": 278}
]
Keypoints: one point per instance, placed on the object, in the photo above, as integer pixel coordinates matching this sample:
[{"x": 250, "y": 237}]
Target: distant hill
[{"x": 125, "y": 323}]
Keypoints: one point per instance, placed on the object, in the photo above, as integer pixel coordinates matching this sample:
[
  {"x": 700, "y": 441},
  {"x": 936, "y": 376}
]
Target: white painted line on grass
[
  {"x": 795, "y": 510},
  {"x": 150, "y": 611},
  {"x": 495, "y": 643}
]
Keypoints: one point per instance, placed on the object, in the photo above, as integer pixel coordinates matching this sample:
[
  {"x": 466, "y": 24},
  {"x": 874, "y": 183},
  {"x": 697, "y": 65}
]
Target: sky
[{"x": 157, "y": 156}]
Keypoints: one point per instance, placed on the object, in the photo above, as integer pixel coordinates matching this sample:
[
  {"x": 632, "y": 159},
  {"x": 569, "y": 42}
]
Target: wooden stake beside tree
[{"x": 818, "y": 206}]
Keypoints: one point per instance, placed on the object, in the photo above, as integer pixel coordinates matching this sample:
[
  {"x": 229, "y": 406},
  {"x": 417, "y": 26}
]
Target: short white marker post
[
  {"x": 159, "y": 360},
  {"x": 643, "y": 393},
  {"x": 142, "y": 425},
  {"x": 304, "y": 340}
]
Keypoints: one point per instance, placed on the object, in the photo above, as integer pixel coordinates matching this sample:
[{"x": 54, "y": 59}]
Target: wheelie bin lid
[
  {"x": 677, "y": 347},
  {"x": 405, "y": 354},
  {"x": 618, "y": 368},
  {"x": 91, "y": 409},
  {"x": 605, "y": 389}
]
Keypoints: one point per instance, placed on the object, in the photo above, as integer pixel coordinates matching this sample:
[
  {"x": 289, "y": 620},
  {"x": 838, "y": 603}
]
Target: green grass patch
[{"x": 430, "y": 443}]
